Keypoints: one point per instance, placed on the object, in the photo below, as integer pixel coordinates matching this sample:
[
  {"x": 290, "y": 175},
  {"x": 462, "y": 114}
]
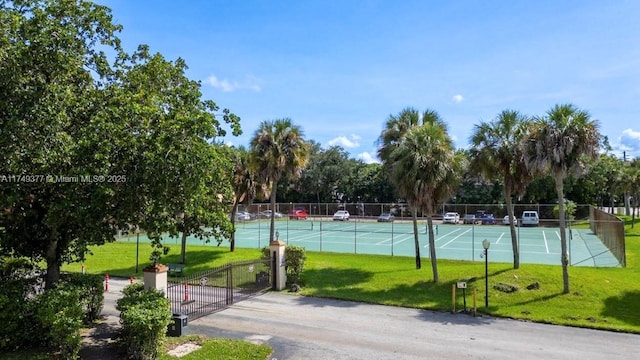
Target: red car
[{"x": 298, "y": 214}]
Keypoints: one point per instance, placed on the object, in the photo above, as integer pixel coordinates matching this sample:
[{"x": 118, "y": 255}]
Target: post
[
  {"x": 137, "y": 248},
  {"x": 453, "y": 298},
  {"x": 155, "y": 277},
  {"x": 277, "y": 258},
  {"x": 485, "y": 245}
]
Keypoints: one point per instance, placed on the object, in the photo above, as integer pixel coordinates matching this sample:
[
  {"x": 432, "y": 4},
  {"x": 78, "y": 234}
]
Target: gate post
[
  {"x": 155, "y": 277},
  {"x": 278, "y": 271}
]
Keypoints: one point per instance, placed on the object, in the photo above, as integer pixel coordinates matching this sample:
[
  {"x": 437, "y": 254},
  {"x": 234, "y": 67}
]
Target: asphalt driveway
[{"x": 298, "y": 327}]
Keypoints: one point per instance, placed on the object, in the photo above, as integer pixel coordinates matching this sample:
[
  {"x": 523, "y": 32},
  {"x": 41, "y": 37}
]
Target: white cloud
[
  {"x": 225, "y": 85},
  {"x": 345, "y": 142},
  {"x": 630, "y": 142},
  {"x": 367, "y": 158},
  {"x": 457, "y": 98}
]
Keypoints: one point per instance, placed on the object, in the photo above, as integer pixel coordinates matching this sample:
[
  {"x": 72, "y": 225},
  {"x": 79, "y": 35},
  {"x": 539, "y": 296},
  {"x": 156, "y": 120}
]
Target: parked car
[
  {"x": 267, "y": 214},
  {"x": 451, "y": 218},
  {"x": 530, "y": 218},
  {"x": 488, "y": 219},
  {"x": 469, "y": 219},
  {"x": 243, "y": 216},
  {"x": 298, "y": 214},
  {"x": 506, "y": 221},
  {"x": 386, "y": 217},
  {"x": 341, "y": 215}
]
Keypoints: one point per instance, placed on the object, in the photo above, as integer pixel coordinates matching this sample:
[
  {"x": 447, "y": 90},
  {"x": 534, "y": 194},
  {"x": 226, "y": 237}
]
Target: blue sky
[{"x": 339, "y": 68}]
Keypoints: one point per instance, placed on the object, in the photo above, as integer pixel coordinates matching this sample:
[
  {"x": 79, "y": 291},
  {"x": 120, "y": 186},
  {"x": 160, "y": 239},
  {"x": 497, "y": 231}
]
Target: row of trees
[
  {"x": 93, "y": 143},
  {"x": 420, "y": 166}
]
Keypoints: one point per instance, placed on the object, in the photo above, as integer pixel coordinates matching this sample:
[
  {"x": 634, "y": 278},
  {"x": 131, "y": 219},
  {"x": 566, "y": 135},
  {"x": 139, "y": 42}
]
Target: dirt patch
[{"x": 183, "y": 349}]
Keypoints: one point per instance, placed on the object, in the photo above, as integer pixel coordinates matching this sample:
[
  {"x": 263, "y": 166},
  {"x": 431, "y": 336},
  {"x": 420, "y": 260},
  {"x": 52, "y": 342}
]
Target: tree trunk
[
  {"x": 272, "y": 229},
  {"x": 183, "y": 248},
  {"x": 512, "y": 227},
  {"x": 564, "y": 256},
  {"x": 414, "y": 216},
  {"x": 432, "y": 244},
  {"x": 53, "y": 267},
  {"x": 232, "y": 241}
]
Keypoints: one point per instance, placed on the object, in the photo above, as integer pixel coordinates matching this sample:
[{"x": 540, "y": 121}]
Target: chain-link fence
[{"x": 610, "y": 230}]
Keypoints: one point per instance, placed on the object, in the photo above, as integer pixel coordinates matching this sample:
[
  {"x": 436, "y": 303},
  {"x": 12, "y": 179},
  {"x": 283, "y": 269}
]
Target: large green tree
[
  {"x": 496, "y": 154},
  {"x": 89, "y": 146},
  {"x": 558, "y": 144},
  {"x": 278, "y": 149}
]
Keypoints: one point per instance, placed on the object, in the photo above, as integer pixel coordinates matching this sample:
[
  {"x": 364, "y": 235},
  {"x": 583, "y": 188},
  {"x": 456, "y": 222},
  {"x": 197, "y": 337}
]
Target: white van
[{"x": 530, "y": 218}]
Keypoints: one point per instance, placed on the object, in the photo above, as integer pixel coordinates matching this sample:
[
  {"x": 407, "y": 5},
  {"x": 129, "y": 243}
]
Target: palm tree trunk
[
  {"x": 232, "y": 241},
  {"x": 432, "y": 244},
  {"x": 512, "y": 227},
  {"x": 414, "y": 216},
  {"x": 563, "y": 237},
  {"x": 272, "y": 229}
]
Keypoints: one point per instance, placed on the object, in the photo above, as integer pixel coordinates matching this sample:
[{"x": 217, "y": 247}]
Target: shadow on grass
[
  {"x": 197, "y": 261},
  {"x": 625, "y": 307},
  {"x": 431, "y": 302}
]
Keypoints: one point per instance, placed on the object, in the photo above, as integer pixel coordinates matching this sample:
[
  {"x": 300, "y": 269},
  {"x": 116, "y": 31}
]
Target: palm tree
[
  {"x": 426, "y": 170},
  {"x": 392, "y": 136},
  {"x": 418, "y": 155},
  {"x": 244, "y": 186},
  {"x": 559, "y": 144},
  {"x": 495, "y": 152},
  {"x": 277, "y": 149}
]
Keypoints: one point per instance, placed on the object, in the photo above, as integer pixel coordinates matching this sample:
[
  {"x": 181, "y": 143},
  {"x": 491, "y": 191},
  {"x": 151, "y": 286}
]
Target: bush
[
  {"x": 294, "y": 257},
  {"x": 91, "y": 293},
  {"x": 59, "y": 315},
  {"x": 16, "y": 316},
  {"x": 145, "y": 316}
]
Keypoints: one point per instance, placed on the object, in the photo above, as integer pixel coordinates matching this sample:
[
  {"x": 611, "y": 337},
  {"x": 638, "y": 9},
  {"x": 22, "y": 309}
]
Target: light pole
[{"x": 485, "y": 246}]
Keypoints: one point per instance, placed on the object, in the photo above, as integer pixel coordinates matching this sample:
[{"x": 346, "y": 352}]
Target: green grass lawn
[{"x": 600, "y": 298}]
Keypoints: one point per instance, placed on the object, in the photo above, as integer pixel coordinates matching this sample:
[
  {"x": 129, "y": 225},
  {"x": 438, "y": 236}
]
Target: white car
[
  {"x": 505, "y": 220},
  {"x": 243, "y": 216},
  {"x": 341, "y": 215},
  {"x": 530, "y": 218},
  {"x": 451, "y": 218}
]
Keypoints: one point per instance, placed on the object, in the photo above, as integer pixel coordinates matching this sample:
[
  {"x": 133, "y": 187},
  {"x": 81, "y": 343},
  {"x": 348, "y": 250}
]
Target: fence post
[
  {"x": 155, "y": 277},
  {"x": 277, "y": 259}
]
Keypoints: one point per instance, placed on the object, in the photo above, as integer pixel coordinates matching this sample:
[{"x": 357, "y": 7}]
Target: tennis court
[{"x": 539, "y": 245}]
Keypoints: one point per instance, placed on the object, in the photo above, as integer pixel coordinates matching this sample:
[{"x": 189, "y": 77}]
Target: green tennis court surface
[{"x": 538, "y": 245}]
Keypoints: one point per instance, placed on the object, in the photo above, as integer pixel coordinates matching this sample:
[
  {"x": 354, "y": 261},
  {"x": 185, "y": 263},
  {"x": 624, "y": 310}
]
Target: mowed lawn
[{"x": 601, "y": 298}]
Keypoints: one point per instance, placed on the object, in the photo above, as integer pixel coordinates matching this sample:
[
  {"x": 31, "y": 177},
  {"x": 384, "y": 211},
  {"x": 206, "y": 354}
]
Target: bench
[{"x": 176, "y": 269}]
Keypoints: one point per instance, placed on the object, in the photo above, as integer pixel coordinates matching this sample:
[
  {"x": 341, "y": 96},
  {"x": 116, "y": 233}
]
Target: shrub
[
  {"x": 294, "y": 257},
  {"x": 91, "y": 293},
  {"x": 16, "y": 331},
  {"x": 145, "y": 316},
  {"x": 59, "y": 315}
]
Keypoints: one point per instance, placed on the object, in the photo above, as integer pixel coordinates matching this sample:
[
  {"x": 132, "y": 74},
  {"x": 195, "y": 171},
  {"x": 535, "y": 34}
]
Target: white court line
[
  {"x": 546, "y": 245},
  {"x": 500, "y": 237},
  {"x": 452, "y": 240},
  {"x": 383, "y": 242}
]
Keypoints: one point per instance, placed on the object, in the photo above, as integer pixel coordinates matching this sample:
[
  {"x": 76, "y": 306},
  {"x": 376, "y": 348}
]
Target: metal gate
[{"x": 216, "y": 289}]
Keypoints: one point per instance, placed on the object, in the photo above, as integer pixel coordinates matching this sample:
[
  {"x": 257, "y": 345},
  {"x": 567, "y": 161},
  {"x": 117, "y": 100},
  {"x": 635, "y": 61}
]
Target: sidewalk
[{"x": 99, "y": 343}]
